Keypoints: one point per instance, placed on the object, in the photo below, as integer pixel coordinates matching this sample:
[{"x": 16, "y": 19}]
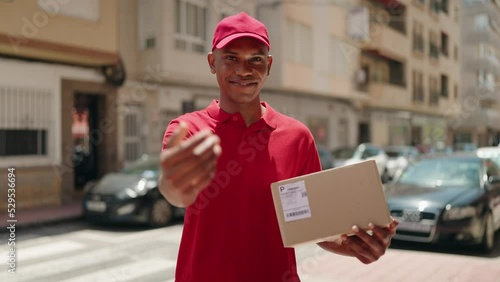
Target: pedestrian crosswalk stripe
[
  {"x": 173, "y": 234},
  {"x": 45, "y": 250},
  {"x": 61, "y": 265},
  {"x": 128, "y": 272},
  {"x": 99, "y": 236}
]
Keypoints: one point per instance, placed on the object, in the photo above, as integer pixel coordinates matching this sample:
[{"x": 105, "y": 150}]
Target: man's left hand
[{"x": 364, "y": 246}]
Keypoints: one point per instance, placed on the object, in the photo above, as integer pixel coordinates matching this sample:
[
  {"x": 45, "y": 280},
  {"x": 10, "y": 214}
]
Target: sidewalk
[{"x": 38, "y": 216}]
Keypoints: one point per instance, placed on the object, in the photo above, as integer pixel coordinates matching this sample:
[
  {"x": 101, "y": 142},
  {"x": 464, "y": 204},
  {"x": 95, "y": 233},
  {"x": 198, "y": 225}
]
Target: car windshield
[
  {"x": 147, "y": 163},
  {"x": 442, "y": 173}
]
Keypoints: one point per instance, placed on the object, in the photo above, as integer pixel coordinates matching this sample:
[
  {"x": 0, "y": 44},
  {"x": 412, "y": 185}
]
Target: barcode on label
[
  {"x": 294, "y": 201},
  {"x": 291, "y": 214}
]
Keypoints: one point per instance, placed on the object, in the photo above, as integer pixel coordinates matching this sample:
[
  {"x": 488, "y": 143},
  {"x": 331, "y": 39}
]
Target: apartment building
[
  {"x": 60, "y": 70},
  {"x": 168, "y": 74},
  {"x": 411, "y": 62},
  {"x": 479, "y": 121},
  {"x": 385, "y": 72},
  {"x": 376, "y": 71}
]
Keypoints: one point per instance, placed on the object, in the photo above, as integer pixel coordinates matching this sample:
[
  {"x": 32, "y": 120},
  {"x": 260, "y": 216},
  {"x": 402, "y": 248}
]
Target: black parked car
[
  {"x": 325, "y": 157},
  {"x": 452, "y": 198},
  {"x": 130, "y": 195}
]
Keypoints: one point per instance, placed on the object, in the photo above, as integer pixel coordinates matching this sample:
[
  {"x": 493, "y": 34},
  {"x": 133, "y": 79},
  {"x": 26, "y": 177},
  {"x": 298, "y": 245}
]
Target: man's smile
[{"x": 243, "y": 83}]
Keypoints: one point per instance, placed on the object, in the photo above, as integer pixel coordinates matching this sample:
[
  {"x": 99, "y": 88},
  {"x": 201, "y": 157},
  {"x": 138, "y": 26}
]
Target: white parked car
[
  {"x": 492, "y": 153},
  {"x": 399, "y": 158},
  {"x": 367, "y": 151}
]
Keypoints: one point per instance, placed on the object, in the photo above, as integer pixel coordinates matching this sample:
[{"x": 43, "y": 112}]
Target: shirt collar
[{"x": 269, "y": 117}]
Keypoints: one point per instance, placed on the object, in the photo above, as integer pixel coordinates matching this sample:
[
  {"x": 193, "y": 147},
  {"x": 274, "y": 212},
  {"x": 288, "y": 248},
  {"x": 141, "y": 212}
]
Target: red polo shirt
[{"x": 231, "y": 232}]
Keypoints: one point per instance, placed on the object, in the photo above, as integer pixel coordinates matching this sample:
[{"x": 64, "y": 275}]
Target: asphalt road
[{"x": 78, "y": 251}]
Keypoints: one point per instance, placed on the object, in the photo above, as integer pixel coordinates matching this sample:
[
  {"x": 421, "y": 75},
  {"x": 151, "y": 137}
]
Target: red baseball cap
[{"x": 237, "y": 26}]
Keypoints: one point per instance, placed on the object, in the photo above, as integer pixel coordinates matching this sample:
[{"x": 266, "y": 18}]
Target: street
[{"x": 78, "y": 251}]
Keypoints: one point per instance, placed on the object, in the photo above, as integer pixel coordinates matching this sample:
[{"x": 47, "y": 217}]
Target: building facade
[
  {"x": 59, "y": 62},
  {"x": 480, "y": 119},
  {"x": 411, "y": 63},
  {"x": 168, "y": 73},
  {"x": 385, "y": 72}
]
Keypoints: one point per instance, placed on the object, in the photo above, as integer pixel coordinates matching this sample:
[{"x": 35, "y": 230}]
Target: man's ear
[
  {"x": 211, "y": 61},
  {"x": 269, "y": 63}
]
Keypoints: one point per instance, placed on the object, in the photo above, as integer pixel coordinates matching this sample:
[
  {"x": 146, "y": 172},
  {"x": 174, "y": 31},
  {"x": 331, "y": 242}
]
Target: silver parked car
[{"x": 447, "y": 199}]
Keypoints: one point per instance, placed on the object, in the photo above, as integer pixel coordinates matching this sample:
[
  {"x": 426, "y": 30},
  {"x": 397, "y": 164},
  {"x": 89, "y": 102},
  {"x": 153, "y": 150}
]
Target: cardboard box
[{"x": 323, "y": 205}]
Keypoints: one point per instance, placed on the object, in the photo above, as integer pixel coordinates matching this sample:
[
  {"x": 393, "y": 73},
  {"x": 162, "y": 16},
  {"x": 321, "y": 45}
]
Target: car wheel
[
  {"x": 161, "y": 213},
  {"x": 488, "y": 234}
]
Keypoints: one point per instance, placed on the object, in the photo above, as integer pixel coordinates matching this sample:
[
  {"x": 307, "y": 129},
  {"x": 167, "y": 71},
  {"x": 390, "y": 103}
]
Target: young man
[{"x": 219, "y": 163}]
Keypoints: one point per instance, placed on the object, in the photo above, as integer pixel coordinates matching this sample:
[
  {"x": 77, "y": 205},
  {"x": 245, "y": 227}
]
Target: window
[
  {"x": 455, "y": 92},
  {"x": 444, "y": 44},
  {"x": 486, "y": 79},
  {"x": 433, "y": 47},
  {"x": 482, "y": 22},
  {"x": 433, "y": 91},
  {"x": 25, "y": 121},
  {"x": 190, "y": 25},
  {"x": 444, "y": 85},
  {"x": 418, "y": 87},
  {"x": 16, "y": 142},
  {"x": 86, "y": 10},
  {"x": 397, "y": 20},
  {"x": 444, "y": 6},
  {"x": 418, "y": 37},
  {"x": 396, "y": 73},
  {"x": 299, "y": 47},
  {"x": 455, "y": 53},
  {"x": 133, "y": 136},
  {"x": 485, "y": 50},
  {"x": 147, "y": 34},
  {"x": 414, "y": 85},
  {"x": 339, "y": 56},
  {"x": 434, "y": 6}
]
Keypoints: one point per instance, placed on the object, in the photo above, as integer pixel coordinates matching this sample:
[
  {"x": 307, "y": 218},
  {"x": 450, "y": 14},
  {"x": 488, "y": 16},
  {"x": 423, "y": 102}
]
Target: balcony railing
[{"x": 385, "y": 94}]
